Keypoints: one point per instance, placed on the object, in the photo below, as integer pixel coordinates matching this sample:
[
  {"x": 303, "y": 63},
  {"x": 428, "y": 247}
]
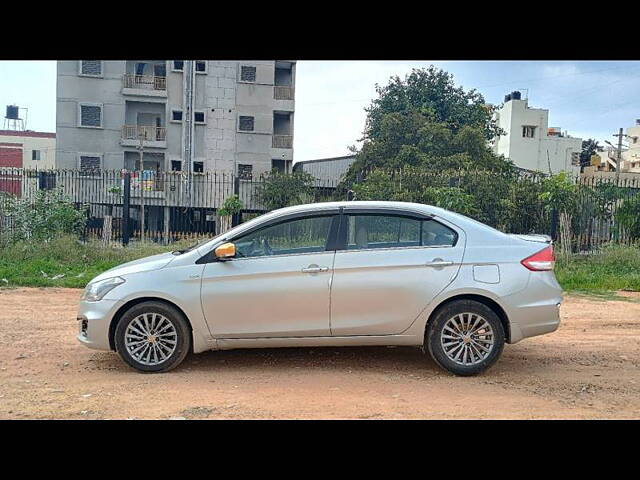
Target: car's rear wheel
[
  {"x": 153, "y": 337},
  {"x": 465, "y": 337}
]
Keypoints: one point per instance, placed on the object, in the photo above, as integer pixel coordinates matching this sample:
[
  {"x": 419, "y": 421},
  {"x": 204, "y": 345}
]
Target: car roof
[{"x": 462, "y": 221}]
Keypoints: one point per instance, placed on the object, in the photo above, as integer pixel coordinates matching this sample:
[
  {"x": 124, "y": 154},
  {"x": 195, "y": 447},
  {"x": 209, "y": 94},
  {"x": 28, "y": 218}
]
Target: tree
[
  {"x": 427, "y": 121},
  {"x": 278, "y": 190},
  {"x": 589, "y": 147}
]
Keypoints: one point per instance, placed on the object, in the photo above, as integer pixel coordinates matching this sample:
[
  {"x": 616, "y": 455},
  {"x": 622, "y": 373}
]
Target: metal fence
[
  {"x": 178, "y": 205},
  {"x": 175, "y": 205}
]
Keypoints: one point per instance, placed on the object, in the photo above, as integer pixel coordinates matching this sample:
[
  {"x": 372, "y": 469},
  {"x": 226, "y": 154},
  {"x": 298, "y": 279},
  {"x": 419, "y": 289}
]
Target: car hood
[{"x": 146, "y": 264}]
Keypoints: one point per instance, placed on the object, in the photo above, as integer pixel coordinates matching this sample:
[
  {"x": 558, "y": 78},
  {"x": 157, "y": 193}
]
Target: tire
[
  {"x": 157, "y": 354},
  {"x": 470, "y": 349}
]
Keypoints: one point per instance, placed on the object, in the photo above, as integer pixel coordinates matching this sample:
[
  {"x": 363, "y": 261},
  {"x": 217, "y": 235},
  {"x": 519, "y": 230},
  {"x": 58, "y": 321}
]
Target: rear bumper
[
  {"x": 534, "y": 320},
  {"x": 535, "y": 310}
]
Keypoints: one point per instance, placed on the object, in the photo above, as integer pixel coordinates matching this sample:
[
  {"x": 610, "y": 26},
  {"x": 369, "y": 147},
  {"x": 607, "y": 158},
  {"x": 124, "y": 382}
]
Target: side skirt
[{"x": 359, "y": 340}]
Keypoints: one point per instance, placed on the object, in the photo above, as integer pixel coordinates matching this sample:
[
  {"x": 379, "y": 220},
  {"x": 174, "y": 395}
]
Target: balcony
[
  {"x": 282, "y": 141},
  {"x": 146, "y": 85},
  {"x": 283, "y": 93},
  {"x": 151, "y": 136}
]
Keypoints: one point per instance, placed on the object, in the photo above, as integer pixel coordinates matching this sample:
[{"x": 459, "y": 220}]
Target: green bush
[
  {"x": 47, "y": 215},
  {"x": 279, "y": 190}
]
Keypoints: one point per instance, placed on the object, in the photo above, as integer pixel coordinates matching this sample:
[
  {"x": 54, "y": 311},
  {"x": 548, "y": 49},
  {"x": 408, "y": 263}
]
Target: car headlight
[{"x": 94, "y": 292}]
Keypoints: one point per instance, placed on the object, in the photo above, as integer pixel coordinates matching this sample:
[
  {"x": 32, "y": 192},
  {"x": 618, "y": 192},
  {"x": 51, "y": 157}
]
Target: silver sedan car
[{"x": 331, "y": 274}]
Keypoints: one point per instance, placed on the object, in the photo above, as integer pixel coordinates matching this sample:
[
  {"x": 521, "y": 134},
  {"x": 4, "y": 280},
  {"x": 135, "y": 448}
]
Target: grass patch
[
  {"x": 597, "y": 275},
  {"x": 22, "y": 264},
  {"x": 612, "y": 268}
]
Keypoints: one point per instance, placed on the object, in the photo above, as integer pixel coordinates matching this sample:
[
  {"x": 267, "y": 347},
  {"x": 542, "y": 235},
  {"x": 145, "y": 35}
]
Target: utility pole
[
  {"x": 620, "y": 134},
  {"x": 141, "y": 149},
  {"x": 619, "y": 155}
]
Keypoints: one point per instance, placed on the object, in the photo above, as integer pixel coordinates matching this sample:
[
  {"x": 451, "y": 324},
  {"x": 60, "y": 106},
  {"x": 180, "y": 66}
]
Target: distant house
[
  {"x": 27, "y": 149},
  {"x": 603, "y": 163},
  {"x": 24, "y": 149},
  {"x": 530, "y": 143},
  {"x": 328, "y": 171}
]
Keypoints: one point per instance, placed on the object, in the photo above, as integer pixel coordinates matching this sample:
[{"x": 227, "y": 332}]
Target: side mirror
[{"x": 225, "y": 251}]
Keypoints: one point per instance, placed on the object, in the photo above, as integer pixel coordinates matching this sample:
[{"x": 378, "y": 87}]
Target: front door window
[{"x": 305, "y": 235}]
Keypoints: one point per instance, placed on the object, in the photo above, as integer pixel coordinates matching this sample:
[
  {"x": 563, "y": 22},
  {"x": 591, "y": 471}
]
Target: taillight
[{"x": 540, "y": 261}]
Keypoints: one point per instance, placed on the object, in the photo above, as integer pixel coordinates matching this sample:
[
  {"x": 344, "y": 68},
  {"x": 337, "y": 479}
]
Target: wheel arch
[
  {"x": 135, "y": 301},
  {"x": 489, "y": 302}
]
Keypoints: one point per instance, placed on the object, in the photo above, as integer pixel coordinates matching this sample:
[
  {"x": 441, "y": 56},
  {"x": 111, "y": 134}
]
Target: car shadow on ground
[
  {"x": 405, "y": 361},
  {"x": 316, "y": 357},
  {"x": 410, "y": 360}
]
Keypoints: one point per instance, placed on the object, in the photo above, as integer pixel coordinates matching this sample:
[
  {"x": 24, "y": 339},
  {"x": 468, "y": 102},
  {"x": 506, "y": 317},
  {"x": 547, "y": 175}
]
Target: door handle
[
  {"x": 314, "y": 269},
  {"x": 438, "y": 262}
]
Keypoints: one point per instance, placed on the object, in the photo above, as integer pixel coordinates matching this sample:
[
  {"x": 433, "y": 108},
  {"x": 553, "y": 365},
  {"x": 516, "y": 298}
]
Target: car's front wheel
[
  {"x": 465, "y": 337},
  {"x": 153, "y": 337}
]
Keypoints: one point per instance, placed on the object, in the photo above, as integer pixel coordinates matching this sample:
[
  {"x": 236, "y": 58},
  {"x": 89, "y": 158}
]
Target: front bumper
[{"x": 94, "y": 319}]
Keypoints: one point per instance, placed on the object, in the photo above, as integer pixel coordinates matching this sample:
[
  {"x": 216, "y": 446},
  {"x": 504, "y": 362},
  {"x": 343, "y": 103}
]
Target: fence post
[
  {"x": 235, "y": 218},
  {"x": 125, "y": 208},
  {"x": 554, "y": 224}
]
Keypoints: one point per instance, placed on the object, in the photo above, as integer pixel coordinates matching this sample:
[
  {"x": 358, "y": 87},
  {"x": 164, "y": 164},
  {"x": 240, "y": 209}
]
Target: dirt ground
[{"x": 588, "y": 368}]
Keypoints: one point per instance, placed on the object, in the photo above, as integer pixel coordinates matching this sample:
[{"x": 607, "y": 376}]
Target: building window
[
  {"x": 176, "y": 115},
  {"x": 176, "y": 165},
  {"x": 245, "y": 172},
  {"x": 35, "y": 155},
  {"x": 247, "y": 74},
  {"x": 91, "y": 115},
  {"x": 178, "y": 65},
  {"x": 89, "y": 164},
  {"x": 201, "y": 66},
  {"x": 528, "y": 131},
  {"x": 246, "y": 124},
  {"x": 198, "y": 167},
  {"x": 198, "y": 117},
  {"x": 91, "y": 68},
  {"x": 278, "y": 165}
]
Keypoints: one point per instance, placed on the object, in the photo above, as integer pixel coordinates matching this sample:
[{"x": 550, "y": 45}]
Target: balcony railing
[
  {"x": 150, "y": 134},
  {"x": 283, "y": 93},
  {"x": 282, "y": 141},
  {"x": 147, "y": 82}
]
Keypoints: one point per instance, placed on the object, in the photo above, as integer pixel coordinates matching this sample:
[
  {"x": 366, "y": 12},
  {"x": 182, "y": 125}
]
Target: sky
[{"x": 589, "y": 99}]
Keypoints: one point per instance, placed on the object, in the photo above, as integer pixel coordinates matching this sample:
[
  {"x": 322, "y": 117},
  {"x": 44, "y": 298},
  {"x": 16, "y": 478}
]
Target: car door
[
  {"x": 387, "y": 270},
  {"x": 278, "y": 284}
]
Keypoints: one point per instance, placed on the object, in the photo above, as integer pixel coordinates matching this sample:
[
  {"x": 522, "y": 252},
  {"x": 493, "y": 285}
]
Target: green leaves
[
  {"x": 47, "y": 215},
  {"x": 279, "y": 190},
  {"x": 231, "y": 206},
  {"x": 425, "y": 120}
]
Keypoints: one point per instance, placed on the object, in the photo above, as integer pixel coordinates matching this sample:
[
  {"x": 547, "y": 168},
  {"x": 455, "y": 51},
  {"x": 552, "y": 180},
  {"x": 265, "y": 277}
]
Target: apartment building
[
  {"x": 530, "y": 143},
  {"x": 187, "y": 115}
]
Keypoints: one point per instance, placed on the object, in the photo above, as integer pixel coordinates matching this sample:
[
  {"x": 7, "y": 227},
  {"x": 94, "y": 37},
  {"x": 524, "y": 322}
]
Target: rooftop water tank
[
  {"x": 516, "y": 95},
  {"x": 12, "y": 112}
]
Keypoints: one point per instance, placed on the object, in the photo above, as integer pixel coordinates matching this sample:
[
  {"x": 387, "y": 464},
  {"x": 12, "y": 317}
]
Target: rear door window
[{"x": 371, "y": 231}]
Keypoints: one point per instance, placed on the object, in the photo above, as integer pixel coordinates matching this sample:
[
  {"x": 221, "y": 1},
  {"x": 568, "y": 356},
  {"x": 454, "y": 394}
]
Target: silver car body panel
[{"x": 364, "y": 297}]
